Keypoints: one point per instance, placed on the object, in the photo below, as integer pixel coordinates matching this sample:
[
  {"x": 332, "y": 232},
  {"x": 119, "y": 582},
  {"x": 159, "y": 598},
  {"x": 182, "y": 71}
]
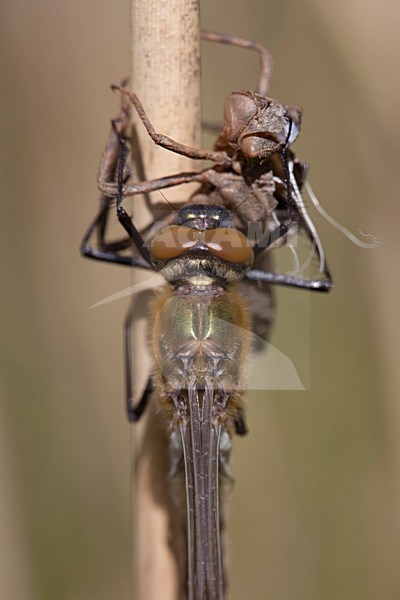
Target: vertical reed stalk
[{"x": 166, "y": 77}]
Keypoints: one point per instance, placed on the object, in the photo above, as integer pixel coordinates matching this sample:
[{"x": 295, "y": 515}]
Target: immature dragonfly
[{"x": 212, "y": 254}]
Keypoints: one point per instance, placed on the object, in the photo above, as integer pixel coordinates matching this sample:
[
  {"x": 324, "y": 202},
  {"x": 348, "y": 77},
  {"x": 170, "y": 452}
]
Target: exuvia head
[{"x": 257, "y": 126}]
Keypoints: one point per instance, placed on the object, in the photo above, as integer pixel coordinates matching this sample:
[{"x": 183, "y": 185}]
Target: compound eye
[
  {"x": 172, "y": 242},
  {"x": 230, "y": 245}
]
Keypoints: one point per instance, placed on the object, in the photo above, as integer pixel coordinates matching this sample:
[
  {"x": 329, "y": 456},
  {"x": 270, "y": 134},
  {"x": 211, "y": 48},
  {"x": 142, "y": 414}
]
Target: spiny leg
[
  {"x": 108, "y": 251},
  {"x": 319, "y": 285},
  {"x": 152, "y": 185},
  {"x": 109, "y": 160},
  {"x": 293, "y": 218},
  {"x": 111, "y": 167},
  {"x": 266, "y": 61},
  {"x": 164, "y": 141},
  {"x": 293, "y": 215},
  {"x": 112, "y": 182},
  {"x": 133, "y": 411},
  {"x": 123, "y": 216}
]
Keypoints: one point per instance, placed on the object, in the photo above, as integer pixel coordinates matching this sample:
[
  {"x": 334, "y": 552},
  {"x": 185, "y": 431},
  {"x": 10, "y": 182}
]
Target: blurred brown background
[{"x": 314, "y": 514}]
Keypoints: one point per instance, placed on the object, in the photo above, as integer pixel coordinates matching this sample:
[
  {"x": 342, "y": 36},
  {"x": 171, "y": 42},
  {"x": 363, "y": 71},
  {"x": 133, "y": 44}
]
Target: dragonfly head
[{"x": 203, "y": 241}]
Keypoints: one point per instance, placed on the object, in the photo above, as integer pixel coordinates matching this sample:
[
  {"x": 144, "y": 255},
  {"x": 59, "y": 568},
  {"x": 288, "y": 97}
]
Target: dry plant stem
[{"x": 166, "y": 79}]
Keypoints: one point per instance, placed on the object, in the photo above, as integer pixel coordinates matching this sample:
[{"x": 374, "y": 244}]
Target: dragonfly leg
[
  {"x": 121, "y": 126},
  {"x": 103, "y": 249},
  {"x": 266, "y": 61},
  {"x": 240, "y": 423},
  {"x": 111, "y": 168},
  {"x": 112, "y": 182},
  {"x": 134, "y": 411},
  {"x": 120, "y": 132},
  {"x": 166, "y": 142},
  {"x": 122, "y": 215},
  {"x": 321, "y": 285}
]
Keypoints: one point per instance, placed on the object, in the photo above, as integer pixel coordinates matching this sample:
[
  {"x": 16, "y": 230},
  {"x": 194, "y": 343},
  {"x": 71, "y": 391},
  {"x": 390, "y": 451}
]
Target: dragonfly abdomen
[{"x": 200, "y": 347}]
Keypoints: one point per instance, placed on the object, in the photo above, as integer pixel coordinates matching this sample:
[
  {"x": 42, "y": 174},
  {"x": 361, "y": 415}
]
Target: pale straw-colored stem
[{"x": 166, "y": 78}]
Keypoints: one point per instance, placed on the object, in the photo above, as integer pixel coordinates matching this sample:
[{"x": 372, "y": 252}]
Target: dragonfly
[{"x": 214, "y": 254}]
